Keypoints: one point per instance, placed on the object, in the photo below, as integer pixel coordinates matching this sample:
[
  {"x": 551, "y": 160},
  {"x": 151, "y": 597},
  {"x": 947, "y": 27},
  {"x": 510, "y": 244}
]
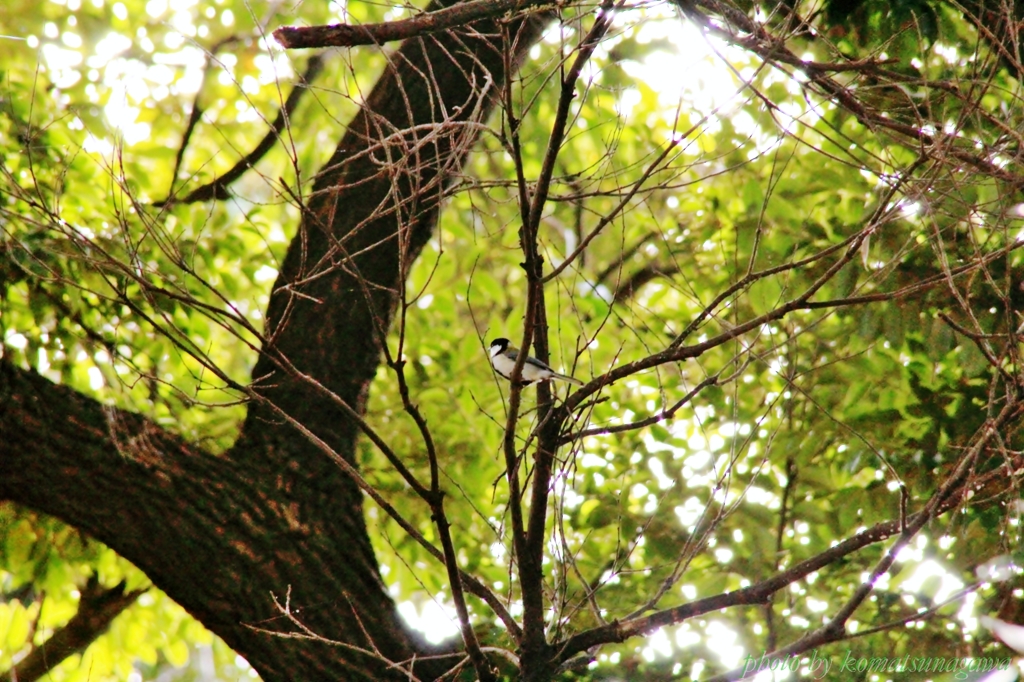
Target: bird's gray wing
[
  {"x": 513, "y": 354},
  {"x": 537, "y": 363}
]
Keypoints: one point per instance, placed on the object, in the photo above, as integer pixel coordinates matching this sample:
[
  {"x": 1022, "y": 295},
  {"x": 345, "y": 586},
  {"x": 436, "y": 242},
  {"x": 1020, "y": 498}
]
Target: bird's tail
[{"x": 570, "y": 380}]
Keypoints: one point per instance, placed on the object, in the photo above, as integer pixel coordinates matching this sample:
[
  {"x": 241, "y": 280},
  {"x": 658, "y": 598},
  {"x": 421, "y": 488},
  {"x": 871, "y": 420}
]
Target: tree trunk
[{"x": 274, "y": 517}]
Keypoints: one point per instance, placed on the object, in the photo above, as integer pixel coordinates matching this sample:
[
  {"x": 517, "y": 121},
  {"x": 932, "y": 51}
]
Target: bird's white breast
[{"x": 504, "y": 364}]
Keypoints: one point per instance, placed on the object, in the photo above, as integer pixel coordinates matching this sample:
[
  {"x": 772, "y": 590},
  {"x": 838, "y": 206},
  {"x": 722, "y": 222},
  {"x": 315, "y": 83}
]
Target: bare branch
[
  {"x": 218, "y": 188},
  {"x": 98, "y": 606}
]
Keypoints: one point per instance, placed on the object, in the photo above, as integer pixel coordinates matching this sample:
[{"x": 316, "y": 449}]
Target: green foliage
[
  {"x": 875, "y": 19},
  {"x": 46, "y": 563}
]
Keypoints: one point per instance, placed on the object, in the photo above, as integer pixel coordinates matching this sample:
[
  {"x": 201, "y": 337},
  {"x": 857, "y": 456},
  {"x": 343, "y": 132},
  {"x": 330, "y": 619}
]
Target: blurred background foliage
[{"x": 827, "y": 416}]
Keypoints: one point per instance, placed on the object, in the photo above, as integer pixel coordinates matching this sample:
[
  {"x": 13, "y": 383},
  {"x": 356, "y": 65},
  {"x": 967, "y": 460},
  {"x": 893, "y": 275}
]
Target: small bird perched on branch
[{"x": 503, "y": 359}]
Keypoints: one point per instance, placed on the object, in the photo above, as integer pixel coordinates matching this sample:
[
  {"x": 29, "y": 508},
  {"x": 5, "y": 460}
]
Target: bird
[{"x": 503, "y": 359}]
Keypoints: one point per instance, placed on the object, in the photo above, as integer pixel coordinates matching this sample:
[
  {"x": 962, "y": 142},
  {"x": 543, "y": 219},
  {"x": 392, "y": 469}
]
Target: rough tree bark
[{"x": 274, "y": 516}]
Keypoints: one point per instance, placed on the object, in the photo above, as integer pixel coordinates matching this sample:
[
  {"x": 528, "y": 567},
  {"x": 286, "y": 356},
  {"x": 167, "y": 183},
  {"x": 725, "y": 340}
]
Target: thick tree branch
[
  {"x": 349, "y": 35},
  {"x": 275, "y": 515},
  {"x": 166, "y": 505},
  {"x": 372, "y": 209}
]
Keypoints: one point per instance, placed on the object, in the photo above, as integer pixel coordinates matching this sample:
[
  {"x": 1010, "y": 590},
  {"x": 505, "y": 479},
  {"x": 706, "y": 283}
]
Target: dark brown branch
[
  {"x": 974, "y": 336},
  {"x": 484, "y": 671},
  {"x": 623, "y": 203},
  {"x": 467, "y": 581},
  {"x": 435, "y": 499},
  {"x": 946, "y": 497},
  {"x": 218, "y": 188},
  {"x": 98, "y": 606},
  {"x": 348, "y": 35},
  {"x": 537, "y": 663},
  {"x": 197, "y": 111},
  {"x": 626, "y": 290},
  {"x": 780, "y": 539},
  {"x": 667, "y": 413},
  {"x": 511, "y": 457},
  {"x": 954, "y": 493},
  {"x": 999, "y": 24},
  {"x": 675, "y": 354},
  {"x": 754, "y": 595}
]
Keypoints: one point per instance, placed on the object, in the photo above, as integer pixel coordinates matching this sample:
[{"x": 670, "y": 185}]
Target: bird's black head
[{"x": 499, "y": 345}]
